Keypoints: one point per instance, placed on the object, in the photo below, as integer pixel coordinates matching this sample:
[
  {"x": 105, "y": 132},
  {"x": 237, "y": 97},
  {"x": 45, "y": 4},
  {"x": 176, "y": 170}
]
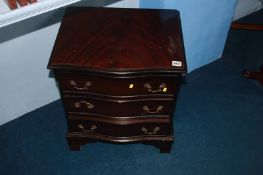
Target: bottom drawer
[{"x": 127, "y": 130}]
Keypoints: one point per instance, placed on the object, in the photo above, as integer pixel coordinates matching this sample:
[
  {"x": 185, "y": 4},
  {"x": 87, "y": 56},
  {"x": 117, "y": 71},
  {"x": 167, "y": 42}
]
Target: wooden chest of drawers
[{"x": 119, "y": 72}]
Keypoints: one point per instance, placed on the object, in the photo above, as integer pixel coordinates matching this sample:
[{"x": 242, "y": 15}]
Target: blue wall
[{"x": 205, "y": 24}]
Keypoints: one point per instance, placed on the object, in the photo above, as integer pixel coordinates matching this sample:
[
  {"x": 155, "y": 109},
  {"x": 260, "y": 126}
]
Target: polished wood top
[{"x": 119, "y": 40}]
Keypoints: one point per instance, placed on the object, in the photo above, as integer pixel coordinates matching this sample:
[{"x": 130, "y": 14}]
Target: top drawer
[{"x": 117, "y": 86}]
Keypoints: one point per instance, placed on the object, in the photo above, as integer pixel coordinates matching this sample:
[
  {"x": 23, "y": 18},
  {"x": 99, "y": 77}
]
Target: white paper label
[{"x": 177, "y": 63}]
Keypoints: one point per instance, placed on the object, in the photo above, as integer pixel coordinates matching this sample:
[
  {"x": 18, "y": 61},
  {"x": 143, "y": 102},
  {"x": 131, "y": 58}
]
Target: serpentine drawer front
[
  {"x": 100, "y": 128},
  {"x": 120, "y": 107},
  {"x": 123, "y": 86},
  {"x": 119, "y": 73}
]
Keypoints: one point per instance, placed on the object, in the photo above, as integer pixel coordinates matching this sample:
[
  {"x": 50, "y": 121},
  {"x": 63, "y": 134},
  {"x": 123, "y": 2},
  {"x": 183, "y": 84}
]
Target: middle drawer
[{"x": 110, "y": 107}]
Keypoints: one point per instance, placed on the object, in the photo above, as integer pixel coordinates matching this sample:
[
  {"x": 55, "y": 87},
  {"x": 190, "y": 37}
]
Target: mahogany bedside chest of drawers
[{"x": 119, "y": 72}]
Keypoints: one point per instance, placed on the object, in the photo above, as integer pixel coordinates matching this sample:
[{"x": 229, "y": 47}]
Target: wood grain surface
[{"x": 114, "y": 39}]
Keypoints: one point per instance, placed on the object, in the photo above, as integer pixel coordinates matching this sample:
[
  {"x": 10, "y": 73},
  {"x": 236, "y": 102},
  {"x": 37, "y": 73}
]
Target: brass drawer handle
[
  {"x": 155, "y": 130},
  {"x": 162, "y": 88},
  {"x": 75, "y": 86},
  {"x": 148, "y": 111},
  {"x": 82, "y": 128},
  {"x": 88, "y": 105}
]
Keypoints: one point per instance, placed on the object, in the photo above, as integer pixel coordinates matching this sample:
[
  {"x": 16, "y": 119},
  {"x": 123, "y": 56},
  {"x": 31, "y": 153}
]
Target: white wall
[
  {"x": 126, "y": 4},
  {"x": 205, "y": 24},
  {"x": 246, "y": 7},
  {"x": 25, "y": 84}
]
